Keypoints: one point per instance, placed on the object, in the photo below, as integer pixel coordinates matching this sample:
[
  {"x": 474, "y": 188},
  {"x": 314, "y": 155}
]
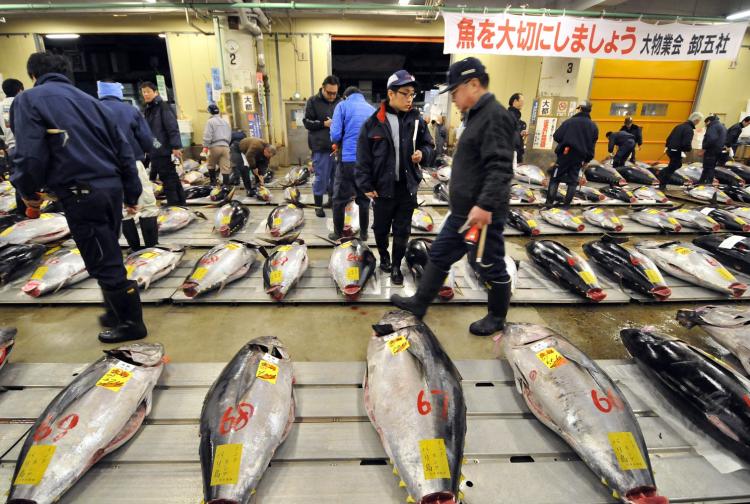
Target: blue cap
[
  {"x": 401, "y": 78},
  {"x": 109, "y": 89}
]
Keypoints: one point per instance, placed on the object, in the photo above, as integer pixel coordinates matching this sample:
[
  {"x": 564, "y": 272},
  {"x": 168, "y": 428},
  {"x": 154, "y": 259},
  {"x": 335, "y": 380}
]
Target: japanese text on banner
[{"x": 589, "y": 38}]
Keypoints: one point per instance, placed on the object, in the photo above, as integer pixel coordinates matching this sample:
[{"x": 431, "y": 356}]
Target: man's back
[
  {"x": 132, "y": 124},
  {"x": 348, "y": 118},
  {"x": 580, "y": 134}
]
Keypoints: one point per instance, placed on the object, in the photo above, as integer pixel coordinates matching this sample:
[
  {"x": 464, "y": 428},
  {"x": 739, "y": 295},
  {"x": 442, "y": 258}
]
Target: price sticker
[
  {"x": 35, "y": 464},
  {"x": 227, "y": 461},
  {"x": 626, "y": 450},
  {"x": 199, "y": 273},
  {"x": 233, "y": 246},
  {"x": 597, "y": 211},
  {"x": 148, "y": 255},
  {"x": 346, "y": 244},
  {"x": 267, "y": 371},
  {"x": 551, "y": 358},
  {"x": 683, "y": 250},
  {"x": 285, "y": 248},
  {"x": 654, "y": 276},
  {"x": 347, "y": 219},
  {"x": 587, "y": 277},
  {"x": 725, "y": 274},
  {"x": 352, "y": 274},
  {"x": 434, "y": 459},
  {"x": 276, "y": 276},
  {"x": 114, "y": 379},
  {"x": 397, "y": 344},
  {"x": 40, "y": 272}
]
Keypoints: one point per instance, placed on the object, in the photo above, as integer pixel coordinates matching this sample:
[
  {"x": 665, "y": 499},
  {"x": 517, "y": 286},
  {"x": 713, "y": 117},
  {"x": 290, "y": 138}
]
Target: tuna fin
[
  {"x": 607, "y": 238},
  {"x": 200, "y": 214},
  {"x": 221, "y": 287},
  {"x": 325, "y": 238}
]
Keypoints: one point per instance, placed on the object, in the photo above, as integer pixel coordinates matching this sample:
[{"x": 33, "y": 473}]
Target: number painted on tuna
[
  {"x": 608, "y": 402},
  {"x": 63, "y": 426},
  {"x": 235, "y": 422},
  {"x": 425, "y": 407}
]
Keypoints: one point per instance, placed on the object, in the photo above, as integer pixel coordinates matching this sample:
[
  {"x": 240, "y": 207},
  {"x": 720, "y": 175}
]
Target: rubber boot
[
  {"x": 108, "y": 318},
  {"x": 319, "y": 206},
  {"x": 569, "y": 195},
  {"x": 498, "y": 300},
  {"x": 551, "y": 193},
  {"x": 150, "y": 231},
  {"x": 364, "y": 223},
  {"x": 214, "y": 178},
  {"x": 130, "y": 232},
  {"x": 226, "y": 180},
  {"x": 399, "y": 249},
  {"x": 126, "y": 304},
  {"x": 429, "y": 285},
  {"x": 385, "y": 257},
  {"x": 338, "y": 222}
]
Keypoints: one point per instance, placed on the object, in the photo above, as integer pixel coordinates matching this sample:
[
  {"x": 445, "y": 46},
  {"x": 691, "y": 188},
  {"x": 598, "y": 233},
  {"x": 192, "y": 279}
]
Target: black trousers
[
  {"x": 567, "y": 171},
  {"x": 622, "y": 155},
  {"x": 94, "y": 222},
  {"x": 710, "y": 158},
  {"x": 168, "y": 175},
  {"x": 675, "y": 161},
  {"x": 344, "y": 189},
  {"x": 393, "y": 214}
]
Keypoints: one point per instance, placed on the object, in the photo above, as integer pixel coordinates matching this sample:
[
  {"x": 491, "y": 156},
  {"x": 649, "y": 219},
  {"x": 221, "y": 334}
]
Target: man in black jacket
[
  {"x": 733, "y": 139},
  {"x": 636, "y": 131},
  {"x": 163, "y": 124},
  {"x": 318, "y": 116},
  {"x": 680, "y": 140},
  {"x": 515, "y": 104},
  {"x": 625, "y": 143},
  {"x": 479, "y": 197},
  {"x": 576, "y": 139},
  {"x": 713, "y": 145},
  {"x": 392, "y": 143}
]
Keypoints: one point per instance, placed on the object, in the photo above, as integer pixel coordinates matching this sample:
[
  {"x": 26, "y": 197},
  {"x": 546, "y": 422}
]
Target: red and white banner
[{"x": 589, "y": 38}]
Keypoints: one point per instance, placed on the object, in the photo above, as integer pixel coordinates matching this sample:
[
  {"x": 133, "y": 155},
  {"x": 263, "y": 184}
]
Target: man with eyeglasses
[
  {"x": 479, "y": 198},
  {"x": 392, "y": 143},
  {"x": 317, "y": 120}
]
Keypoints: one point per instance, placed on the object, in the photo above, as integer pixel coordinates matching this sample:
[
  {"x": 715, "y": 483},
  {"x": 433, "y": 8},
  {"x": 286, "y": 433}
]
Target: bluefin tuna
[
  {"x": 658, "y": 219},
  {"x": 174, "y": 218},
  {"x": 531, "y": 174},
  {"x": 7, "y": 340},
  {"x": 737, "y": 193},
  {"x": 742, "y": 212},
  {"x": 597, "y": 172},
  {"x": 422, "y": 220},
  {"x": 731, "y": 221},
  {"x": 648, "y": 193},
  {"x": 7, "y": 203},
  {"x": 619, "y": 193},
  {"x": 231, "y": 218},
  {"x": 691, "y": 218},
  {"x": 573, "y": 397},
  {"x": 677, "y": 178},
  {"x": 284, "y": 219},
  {"x": 7, "y": 221},
  {"x": 727, "y": 177},
  {"x": 728, "y": 325},
  {"x": 708, "y": 193},
  {"x": 590, "y": 194},
  {"x": 283, "y": 268},
  {"x": 731, "y": 250},
  {"x": 603, "y": 218},
  {"x": 148, "y": 265},
  {"x": 351, "y": 266},
  {"x": 443, "y": 174},
  {"x": 740, "y": 169},
  {"x": 351, "y": 219},
  {"x": 222, "y": 193},
  {"x": 568, "y": 268},
  {"x": 60, "y": 268},
  {"x": 691, "y": 172},
  {"x": 218, "y": 267},
  {"x": 637, "y": 175},
  {"x": 712, "y": 394},
  {"x": 17, "y": 260},
  {"x": 417, "y": 255},
  {"x": 629, "y": 267},
  {"x": 297, "y": 175},
  {"x": 198, "y": 192},
  {"x": 99, "y": 411},
  {"x": 247, "y": 414},
  {"x": 292, "y": 195},
  {"x": 682, "y": 261},
  {"x": 49, "y": 227},
  {"x": 441, "y": 191},
  {"x": 523, "y": 221},
  {"x": 263, "y": 194},
  {"x": 414, "y": 399},
  {"x": 522, "y": 194},
  {"x": 562, "y": 218}
]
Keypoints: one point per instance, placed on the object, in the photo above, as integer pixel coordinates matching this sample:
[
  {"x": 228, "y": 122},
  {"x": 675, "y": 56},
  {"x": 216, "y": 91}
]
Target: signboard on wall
[
  {"x": 545, "y": 128},
  {"x": 162, "y": 85},
  {"x": 248, "y": 102},
  {"x": 566, "y": 36}
]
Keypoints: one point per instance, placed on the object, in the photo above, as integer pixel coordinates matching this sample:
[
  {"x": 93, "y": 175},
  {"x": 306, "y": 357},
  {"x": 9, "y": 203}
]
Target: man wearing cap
[
  {"x": 713, "y": 144},
  {"x": 679, "y": 141},
  {"x": 625, "y": 143},
  {"x": 630, "y": 127},
  {"x": 576, "y": 139},
  {"x": 479, "y": 196},
  {"x": 392, "y": 143},
  {"x": 216, "y": 137}
]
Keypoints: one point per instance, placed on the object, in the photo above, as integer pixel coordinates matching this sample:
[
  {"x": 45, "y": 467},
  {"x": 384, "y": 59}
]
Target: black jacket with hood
[{"x": 317, "y": 110}]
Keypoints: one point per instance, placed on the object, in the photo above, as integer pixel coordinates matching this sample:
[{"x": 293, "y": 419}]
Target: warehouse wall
[
  {"x": 16, "y": 50},
  {"x": 726, "y": 90}
]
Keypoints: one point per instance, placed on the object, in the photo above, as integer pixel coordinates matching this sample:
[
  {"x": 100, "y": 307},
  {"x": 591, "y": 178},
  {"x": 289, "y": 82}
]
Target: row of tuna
[{"x": 640, "y": 269}]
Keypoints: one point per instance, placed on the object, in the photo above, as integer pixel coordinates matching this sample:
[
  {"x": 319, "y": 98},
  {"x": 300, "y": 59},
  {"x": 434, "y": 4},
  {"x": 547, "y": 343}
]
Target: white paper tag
[
  {"x": 538, "y": 346},
  {"x": 707, "y": 211},
  {"x": 125, "y": 366},
  {"x": 731, "y": 242},
  {"x": 270, "y": 358}
]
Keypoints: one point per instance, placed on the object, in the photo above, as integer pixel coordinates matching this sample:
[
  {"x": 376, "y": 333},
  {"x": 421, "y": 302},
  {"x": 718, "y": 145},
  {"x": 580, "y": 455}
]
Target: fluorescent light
[
  {"x": 162, "y": 35},
  {"x": 62, "y": 36},
  {"x": 739, "y": 15},
  {"x": 403, "y": 2},
  {"x": 150, "y": 1}
]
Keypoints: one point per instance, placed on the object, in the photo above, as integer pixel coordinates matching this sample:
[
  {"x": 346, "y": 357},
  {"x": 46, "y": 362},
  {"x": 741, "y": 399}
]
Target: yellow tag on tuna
[
  {"x": 627, "y": 451},
  {"x": 551, "y": 358},
  {"x": 267, "y": 371},
  {"x": 75, "y": 251},
  {"x": 8, "y": 231},
  {"x": 347, "y": 219},
  {"x": 725, "y": 274},
  {"x": 397, "y": 344},
  {"x": 129, "y": 268},
  {"x": 587, "y": 277},
  {"x": 148, "y": 255},
  {"x": 654, "y": 276},
  {"x": 346, "y": 244},
  {"x": 576, "y": 220},
  {"x": 285, "y": 248},
  {"x": 227, "y": 461},
  {"x": 276, "y": 276},
  {"x": 233, "y": 246},
  {"x": 652, "y": 212},
  {"x": 40, "y": 272},
  {"x": 114, "y": 379},
  {"x": 161, "y": 218},
  {"x": 46, "y": 216},
  {"x": 225, "y": 219},
  {"x": 352, "y": 274},
  {"x": 55, "y": 249},
  {"x": 434, "y": 459},
  {"x": 199, "y": 273},
  {"x": 35, "y": 464},
  {"x": 531, "y": 223},
  {"x": 597, "y": 211},
  {"x": 277, "y": 221},
  {"x": 672, "y": 220},
  {"x": 683, "y": 250},
  {"x": 616, "y": 220}
]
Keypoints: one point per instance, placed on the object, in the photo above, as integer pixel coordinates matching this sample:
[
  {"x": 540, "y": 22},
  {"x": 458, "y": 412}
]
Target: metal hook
[
  {"x": 604, "y": 13},
  {"x": 507, "y": 8},
  {"x": 564, "y": 11},
  {"x": 485, "y": 11}
]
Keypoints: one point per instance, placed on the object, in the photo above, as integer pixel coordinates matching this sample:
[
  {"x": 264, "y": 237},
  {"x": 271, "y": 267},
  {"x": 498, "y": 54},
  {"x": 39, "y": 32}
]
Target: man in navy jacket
[
  {"x": 68, "y": 143},
  {"x": 713, "y": 145}
]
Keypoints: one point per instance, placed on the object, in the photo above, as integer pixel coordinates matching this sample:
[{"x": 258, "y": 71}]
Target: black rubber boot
[
  {"x": 126, "y": 304},
  {"x": 319, "y": 206},
  {"x": 551, "y": 193},
  {"x": 226, "y": 180},
  {"x": 108, "y": 318},
  {"x": 399, "y": 249},
  {"x": 150, "y": 231},
  {"x": 570, "y": 193},
  {"x": 213, "y": 176},
  {"x": 329, "y": 202},
  {"x": 385, "y": 257},
  {"x": 498, "y": 300},
  {"x": 130, "y": 232},
  {"x": 429, "y": 285}
]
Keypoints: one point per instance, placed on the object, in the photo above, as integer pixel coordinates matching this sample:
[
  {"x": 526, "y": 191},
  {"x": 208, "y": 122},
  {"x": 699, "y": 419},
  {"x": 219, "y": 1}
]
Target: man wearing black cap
[
  {"x": 392, "y": 143},
  {"x": 576, "y": 139},
  {"x": 630, "y": 127},
  {"x": 479, "y": 196}
]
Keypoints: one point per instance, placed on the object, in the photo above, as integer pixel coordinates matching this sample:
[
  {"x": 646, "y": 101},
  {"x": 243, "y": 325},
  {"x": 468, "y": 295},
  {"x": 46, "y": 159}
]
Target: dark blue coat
[
  {"x": 132, "y": 124},
  {"x": 715, "y": 136},
  {"x": 580, "y": 134},
  {"x": 64, "y": 137},
  {"x": 622, "y": 139},
  {"x": 163, "y": 124}
]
